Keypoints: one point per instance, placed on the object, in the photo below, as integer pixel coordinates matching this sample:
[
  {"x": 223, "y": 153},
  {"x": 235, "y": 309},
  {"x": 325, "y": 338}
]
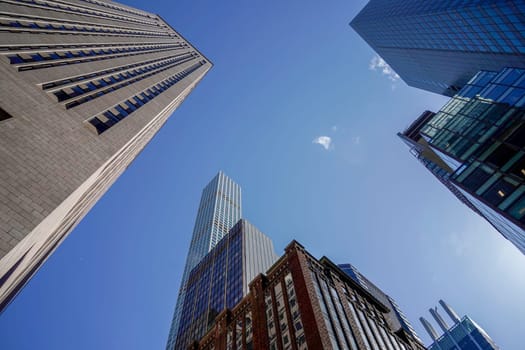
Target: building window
[
  {"x": 110, "y": 117},
  {"x": 518, "y": 137},
  {"x": 324, "y": 312},
  {"x": 477, "y": 177},
  {"x": 296, "y": 315},
  {"x": 4, "y": 115},
  {"x": 501, "y": 155},
  {"x": 500, "y": 190},
  {"x": 358, "y": 323},
  {"x": 518, "y": 169},
  {"x": 517, "y": 211}
]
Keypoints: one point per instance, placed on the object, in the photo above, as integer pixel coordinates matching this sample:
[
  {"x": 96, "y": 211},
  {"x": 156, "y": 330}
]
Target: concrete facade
[{"x": 85, "y": 86}]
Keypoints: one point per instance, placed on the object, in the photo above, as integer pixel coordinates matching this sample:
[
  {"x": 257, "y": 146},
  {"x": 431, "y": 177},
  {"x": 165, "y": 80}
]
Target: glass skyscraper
[
  {"x": 219, "y": 209},
  {"x": 464, "y": 334},
  {"x": 479, "y": 137},
  {"x": 440, "y": 45},
  {"x": 222, "y": 279}
]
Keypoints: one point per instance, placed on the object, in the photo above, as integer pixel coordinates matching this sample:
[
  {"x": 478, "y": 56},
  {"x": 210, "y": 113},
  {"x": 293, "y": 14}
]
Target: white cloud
[
  {"x": 334, "y": 128},
  {"x": 324, "y": 141},
  {"x": 377, "y": 63}
]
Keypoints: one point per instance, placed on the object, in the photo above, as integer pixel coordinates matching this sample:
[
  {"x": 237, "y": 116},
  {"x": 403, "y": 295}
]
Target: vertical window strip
[
  {"x": 368, "y": 331},
  {"x": 296, "y": 321},
  {"x": 375, "y": 331},
  {"x": 333, "y": 315},
  {"x": 331, "y": 308},
  {"x": 394, "y": 341},
  {"x": 358, "y": 323},
  {"x": 346, "y": 326},
  {"x": 284, "y": 322},
  {"x": 270, "y": 322},
  {"x": 324, "y": 312},
  {"x": 386, "y": 339}
]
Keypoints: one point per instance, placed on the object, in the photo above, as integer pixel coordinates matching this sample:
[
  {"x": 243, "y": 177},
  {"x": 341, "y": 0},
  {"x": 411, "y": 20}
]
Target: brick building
[
  {"x": 85, "y": 86},
  {"x": 305, "y": 303}
]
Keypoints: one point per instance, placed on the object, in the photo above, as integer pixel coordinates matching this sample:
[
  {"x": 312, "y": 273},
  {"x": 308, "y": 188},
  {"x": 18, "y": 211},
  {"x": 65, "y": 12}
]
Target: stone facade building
[
  {"x": 305, "y": 303},
  {"x": 85, "y": 86}
]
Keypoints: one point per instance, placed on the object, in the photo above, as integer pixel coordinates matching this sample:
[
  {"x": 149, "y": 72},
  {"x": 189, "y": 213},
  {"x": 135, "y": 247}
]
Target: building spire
[
  {"x": 441, "y": 322},
  {"x": 428, "y": 327},
  {"x": 451, "y": 313}
]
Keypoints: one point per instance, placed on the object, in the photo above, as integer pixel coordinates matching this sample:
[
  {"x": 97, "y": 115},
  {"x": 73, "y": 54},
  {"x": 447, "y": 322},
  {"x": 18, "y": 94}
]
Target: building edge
[{"x": 35, "y": 248}]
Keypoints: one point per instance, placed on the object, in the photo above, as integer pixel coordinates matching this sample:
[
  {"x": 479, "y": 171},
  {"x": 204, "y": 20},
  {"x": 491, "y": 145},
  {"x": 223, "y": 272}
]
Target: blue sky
[{"x": 286, "y": 73}]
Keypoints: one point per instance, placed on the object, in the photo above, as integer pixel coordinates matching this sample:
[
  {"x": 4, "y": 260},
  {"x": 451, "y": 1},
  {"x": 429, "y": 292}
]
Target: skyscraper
[
  {"x": 440, "y": 45},
  {"x": 464, "y": 334},
  {"x": 85, "y": 86},
  {"x": 221, "y": 279},
  {"x": 219, "y": 209},
  {"x": 477, "y": 143},
  {"x": 305, "y": 303}
]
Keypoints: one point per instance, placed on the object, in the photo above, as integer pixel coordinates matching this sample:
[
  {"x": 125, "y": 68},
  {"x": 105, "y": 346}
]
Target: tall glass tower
[
  {"x": 219, "y": 209},
  {"x": 222, "y": 279},
  {"x": 439, "y": 45}
]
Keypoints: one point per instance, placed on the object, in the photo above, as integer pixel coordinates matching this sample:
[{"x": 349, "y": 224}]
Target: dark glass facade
[
  {"x": 219, "y": 209},
  {"x": 439, "y": 45},
  {"x": 221, "y": 279},
  {"x": 475, "y": 145},
  {"x": 480, "y": 134}
]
